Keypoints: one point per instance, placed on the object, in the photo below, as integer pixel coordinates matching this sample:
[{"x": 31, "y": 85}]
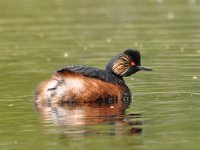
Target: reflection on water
[{"x": 80, "y": 119}]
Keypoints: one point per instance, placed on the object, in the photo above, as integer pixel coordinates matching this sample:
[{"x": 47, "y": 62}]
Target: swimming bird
[{"x": 85, "y": 84}]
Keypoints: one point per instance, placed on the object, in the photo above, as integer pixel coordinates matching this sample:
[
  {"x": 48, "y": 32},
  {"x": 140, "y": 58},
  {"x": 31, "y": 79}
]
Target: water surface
[{"x": 39, "y": 37}]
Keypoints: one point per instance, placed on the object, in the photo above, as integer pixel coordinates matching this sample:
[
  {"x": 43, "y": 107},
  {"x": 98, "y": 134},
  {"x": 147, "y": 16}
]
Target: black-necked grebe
[{"x": 83, "y": 84}]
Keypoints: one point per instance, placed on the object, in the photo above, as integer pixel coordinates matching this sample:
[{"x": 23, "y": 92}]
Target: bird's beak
[{"x": 144, "y": 68}]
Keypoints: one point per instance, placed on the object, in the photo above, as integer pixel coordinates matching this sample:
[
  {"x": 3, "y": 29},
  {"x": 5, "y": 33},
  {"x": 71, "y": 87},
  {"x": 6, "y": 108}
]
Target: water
[{"x": 39, "y": 37}]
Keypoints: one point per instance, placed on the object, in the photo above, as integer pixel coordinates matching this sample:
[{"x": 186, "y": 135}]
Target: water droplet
[
  {"x": 194, "y": 77},
  {"x": 48, "y": 59},
  {"x": 91, "y": 45},
  {"x": 108, "y": 40},
  {"x": 198, "y": 51},
  {"x": 182, "y": 49},
  {"x": 192, "y": 2},
  {"x": 170, "y": 16},
  {"x": 85, "y": 47},
  {"x": 160, "y": 1},
  {"x": 66, "y": 55}
]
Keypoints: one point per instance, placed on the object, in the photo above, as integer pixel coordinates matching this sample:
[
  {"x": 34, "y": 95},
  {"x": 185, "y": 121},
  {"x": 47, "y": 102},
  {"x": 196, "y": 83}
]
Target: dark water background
[{"x": 38, "y": 37}]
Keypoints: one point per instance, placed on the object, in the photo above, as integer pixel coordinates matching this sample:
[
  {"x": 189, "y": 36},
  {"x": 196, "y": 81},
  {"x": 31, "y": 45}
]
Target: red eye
[{"x": 132, "y": 63}]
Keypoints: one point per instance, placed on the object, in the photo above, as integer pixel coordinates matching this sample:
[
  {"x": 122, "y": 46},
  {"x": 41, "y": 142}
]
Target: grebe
[{"x": 84, "y": 84}]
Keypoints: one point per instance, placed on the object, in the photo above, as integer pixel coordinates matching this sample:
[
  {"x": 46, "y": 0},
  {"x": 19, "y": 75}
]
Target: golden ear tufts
[{"x": 121, "y": 65}]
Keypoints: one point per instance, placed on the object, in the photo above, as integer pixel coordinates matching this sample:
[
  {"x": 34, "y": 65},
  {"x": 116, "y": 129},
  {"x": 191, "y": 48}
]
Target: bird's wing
[{"x": 92, "y": 72}]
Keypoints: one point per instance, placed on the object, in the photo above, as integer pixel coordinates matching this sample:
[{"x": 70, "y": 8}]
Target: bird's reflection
[{"x": 71, "y": 115}]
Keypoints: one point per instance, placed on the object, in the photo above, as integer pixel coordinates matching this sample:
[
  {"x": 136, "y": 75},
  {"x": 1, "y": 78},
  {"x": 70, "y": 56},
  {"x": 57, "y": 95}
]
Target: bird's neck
[
  {"x": 110, "y": 70},
  {"x": 109, "y": 66}
]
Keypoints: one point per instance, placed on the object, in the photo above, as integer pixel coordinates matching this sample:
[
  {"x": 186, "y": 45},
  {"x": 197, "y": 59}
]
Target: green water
[{"x": 38, "y": 37}]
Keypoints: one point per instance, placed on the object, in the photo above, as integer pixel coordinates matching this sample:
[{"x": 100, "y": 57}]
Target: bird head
[{"x": 126, "y": 63}]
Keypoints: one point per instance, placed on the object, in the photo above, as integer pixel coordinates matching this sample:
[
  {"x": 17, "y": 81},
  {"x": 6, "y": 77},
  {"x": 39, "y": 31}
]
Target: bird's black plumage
[{"x": 101, "y": 74}]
